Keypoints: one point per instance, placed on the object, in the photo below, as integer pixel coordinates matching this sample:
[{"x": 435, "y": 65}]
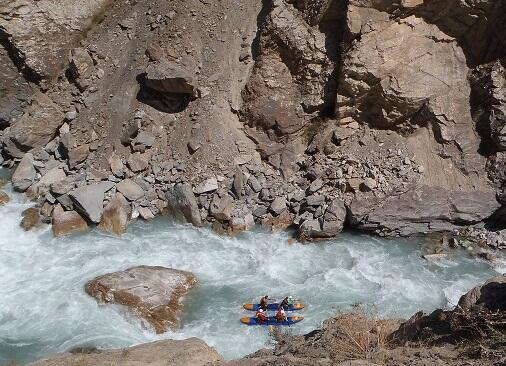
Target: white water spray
[{"x": 44, "y": 309}]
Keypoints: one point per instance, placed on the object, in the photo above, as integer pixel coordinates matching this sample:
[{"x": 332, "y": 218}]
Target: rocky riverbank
[
  {"x": 473, "y": 333},
  {"x": 386, "y": 117}
]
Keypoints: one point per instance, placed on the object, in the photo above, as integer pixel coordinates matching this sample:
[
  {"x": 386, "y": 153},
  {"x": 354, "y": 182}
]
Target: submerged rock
[{"x": 153, "y": 293}]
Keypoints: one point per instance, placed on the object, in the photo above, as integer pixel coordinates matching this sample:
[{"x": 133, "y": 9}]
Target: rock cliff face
[{"x": 386, "y": 116}]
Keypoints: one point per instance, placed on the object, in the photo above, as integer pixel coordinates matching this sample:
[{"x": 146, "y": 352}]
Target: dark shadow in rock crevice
[
  {"x": 163, "y": 101},
  {"x": 333, "y": 25}
]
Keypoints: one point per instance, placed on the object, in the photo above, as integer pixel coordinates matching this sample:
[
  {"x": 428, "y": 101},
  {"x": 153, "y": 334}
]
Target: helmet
[
  {"x": 290, "y": 297},
  {"x": 260, "y": 310}
]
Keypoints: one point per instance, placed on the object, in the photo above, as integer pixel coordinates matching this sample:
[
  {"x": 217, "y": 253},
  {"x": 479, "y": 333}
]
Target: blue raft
[
  {"x": 271, "y": 321},
  {"x": 274, "y": 306}
]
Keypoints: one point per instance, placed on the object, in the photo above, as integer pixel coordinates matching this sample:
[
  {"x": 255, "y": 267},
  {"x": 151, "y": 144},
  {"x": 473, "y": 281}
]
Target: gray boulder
[
  {"x": 182, "y": 204},
  {"x": 221, "y": 207},
  {"x": 130, "y": 189},
  {"x": 24, "y": 175},
  {"x": 423, "y": 209},
  {"x": 89, "y": 200}
]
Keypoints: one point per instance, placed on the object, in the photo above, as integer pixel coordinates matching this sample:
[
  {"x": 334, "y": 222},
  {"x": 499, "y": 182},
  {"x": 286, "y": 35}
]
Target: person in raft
[
  {"x": 280, "y": 315},
  {"x": 263, "y": 302},
  {"x": 287, "y": 301},
  {"x": 261, "y": 316}
]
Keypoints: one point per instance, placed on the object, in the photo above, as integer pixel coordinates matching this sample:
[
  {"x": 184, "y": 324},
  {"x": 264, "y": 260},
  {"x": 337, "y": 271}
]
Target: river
[{"x": 44, "y": 309}]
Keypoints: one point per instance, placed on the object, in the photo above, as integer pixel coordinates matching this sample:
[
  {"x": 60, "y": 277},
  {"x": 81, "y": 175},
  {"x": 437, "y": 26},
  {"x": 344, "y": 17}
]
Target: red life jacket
[{"x": 280, "y": 315}]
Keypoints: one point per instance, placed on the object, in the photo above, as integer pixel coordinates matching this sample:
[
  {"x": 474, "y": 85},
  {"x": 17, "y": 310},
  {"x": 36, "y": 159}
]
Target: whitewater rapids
[{"x": 44, "y": 309}]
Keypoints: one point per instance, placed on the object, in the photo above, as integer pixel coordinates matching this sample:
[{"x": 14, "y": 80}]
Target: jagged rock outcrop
[
  {"x": 153, "y": 293},
  {"x": 489, "y": 100},
  {"x": 40, "y": 34},
  {"x": 38, "y": 125},
  {"x": 491, "y": 296},
  {"x": 422, "y": 210},
  {"x": 188, "y": 352}
]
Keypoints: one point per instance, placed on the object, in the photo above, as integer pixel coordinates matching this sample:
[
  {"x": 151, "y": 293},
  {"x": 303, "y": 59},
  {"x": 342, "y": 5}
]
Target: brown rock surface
[
  {"x": 67, "y": 223},
  {"x": 4, "y": 198},
  {"x": 188, "y": 352},
  {"x": 116, "y": 215},
  {"x": 153, "y": 293},
  {"x": 30, "y": 218}
]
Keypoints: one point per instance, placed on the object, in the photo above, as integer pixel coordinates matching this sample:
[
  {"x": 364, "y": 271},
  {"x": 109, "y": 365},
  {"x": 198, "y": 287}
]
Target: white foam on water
[{"x": 44, "y": 309}]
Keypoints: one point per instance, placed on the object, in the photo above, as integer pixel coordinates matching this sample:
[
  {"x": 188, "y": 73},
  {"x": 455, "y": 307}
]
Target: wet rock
[
  {"x": 221, "y": 207},
  {"x": 182, "y": 204},
  {"x": 30, "y": 218},
  {"x": 491, "y": 296},
  {"x": 116, "y": 215},
  {"x": 209, "y": 185},
  {"x": 67, "y": 223},
  {"x": 25, "y": 174},
  {"x": 4, "y": 198},
  {"x": 35, "y": 128},
  {"x": 130, "y": 189},
  {"x": 153, "y": 293},
  {"x": 89, "y": 200}
]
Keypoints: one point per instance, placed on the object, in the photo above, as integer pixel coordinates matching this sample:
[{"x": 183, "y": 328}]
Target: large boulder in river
[
  {"x": 89, "y": 200},
  {"x": 491, "y": 295},
  {"x": 153, "y": 293},
  {"x": 188, "y": 352},
  {"x": 116, "y": 215},
  {"x": 35, "y": 128},
  {"x": 25, "y": 174},
  {"x": 182, "y": 204}
]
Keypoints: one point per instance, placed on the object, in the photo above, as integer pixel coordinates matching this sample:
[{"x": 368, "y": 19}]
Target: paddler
[
  {"x": 284, "y": 303},
  {"x": 281, "y": 315},
  {"x": 263, "y": 302},
  {"x": 260, "y": 315}
]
